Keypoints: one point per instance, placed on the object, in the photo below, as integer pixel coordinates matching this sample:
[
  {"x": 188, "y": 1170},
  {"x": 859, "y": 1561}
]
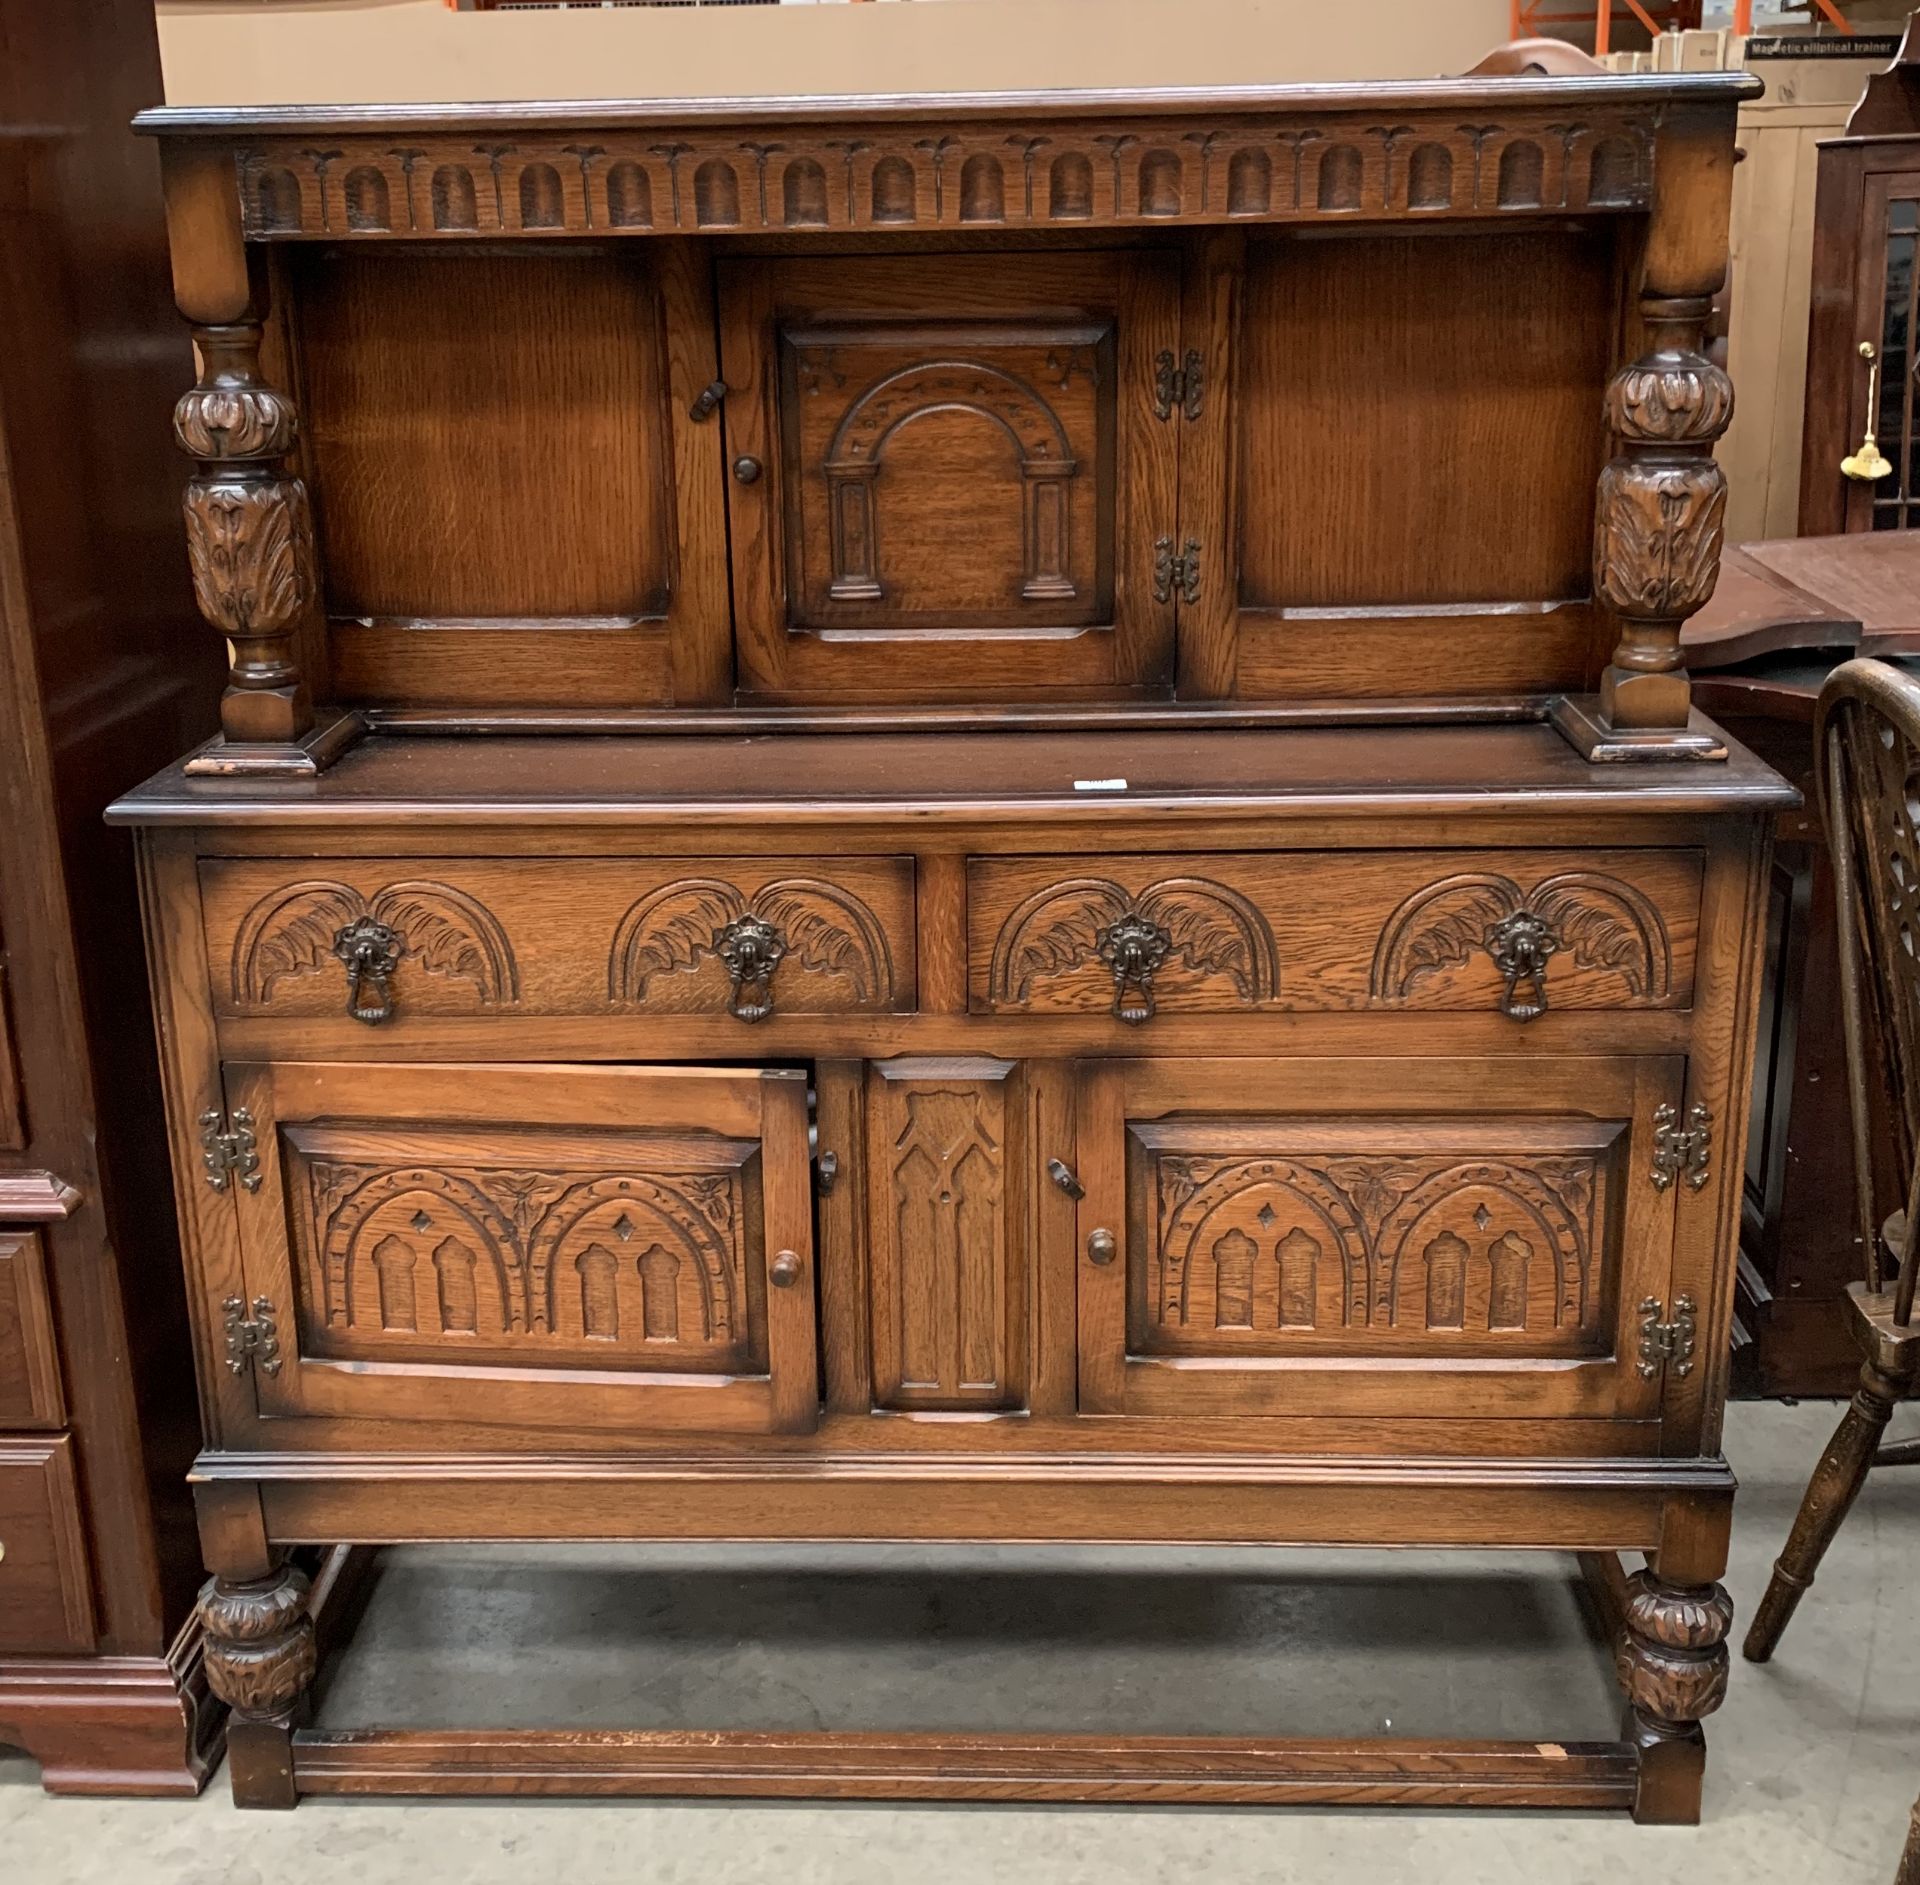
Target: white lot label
[{"x": 1099, "y": 785}]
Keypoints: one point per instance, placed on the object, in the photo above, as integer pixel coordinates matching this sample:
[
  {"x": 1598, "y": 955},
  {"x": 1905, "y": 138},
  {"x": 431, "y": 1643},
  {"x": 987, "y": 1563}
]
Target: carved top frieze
[{"x": 1300, "y": 154}]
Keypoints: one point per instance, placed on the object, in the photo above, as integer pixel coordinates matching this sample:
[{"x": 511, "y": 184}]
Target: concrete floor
[{"x": 1814, "y": 1761}]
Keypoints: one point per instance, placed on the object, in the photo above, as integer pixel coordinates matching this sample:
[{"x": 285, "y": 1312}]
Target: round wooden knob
[
  {"x": 747, "y": 468},
  {"x": 784, "y": 1271},
  {"x": 1102, "y": 1247}
]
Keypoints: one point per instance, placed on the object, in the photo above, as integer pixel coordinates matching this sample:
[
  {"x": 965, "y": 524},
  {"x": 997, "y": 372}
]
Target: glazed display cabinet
[{"x": 962, "y": 820}]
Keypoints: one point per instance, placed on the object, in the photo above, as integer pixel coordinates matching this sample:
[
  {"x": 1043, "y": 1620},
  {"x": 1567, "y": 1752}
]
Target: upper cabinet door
[
  {"x": 606, "y": 1249},
  {"x": 952, "y": 477}
]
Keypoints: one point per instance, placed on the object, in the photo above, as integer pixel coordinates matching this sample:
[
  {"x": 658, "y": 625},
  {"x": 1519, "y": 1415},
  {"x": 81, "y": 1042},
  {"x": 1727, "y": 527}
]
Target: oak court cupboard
[{"x": 962, "y": 819}]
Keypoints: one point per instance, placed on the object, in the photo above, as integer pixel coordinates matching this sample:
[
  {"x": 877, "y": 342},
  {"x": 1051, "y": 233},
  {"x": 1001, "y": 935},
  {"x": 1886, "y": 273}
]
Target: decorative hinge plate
[
  {"x": 230, "y": 1152},
  {"x": 1666, "y": 1344},
  {"x": 1679, "y": 1150},
  {"x": 1176, "y": 573},
  {"x": 1179, "y": 386},
  {"x": 251, "y": 1338}
]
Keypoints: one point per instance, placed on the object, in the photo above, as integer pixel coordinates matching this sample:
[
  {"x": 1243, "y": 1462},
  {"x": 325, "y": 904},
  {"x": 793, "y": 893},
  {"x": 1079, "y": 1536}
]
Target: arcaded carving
[
  {"x": 635, "y": 182},
  {"x": 299, "y": 929},
  {"x": 1599, "y": 921},
  {"x": 823, "y": 928},
  {"x": 1422, "y": 1244},
  {"x": 1203, "y": 927}
]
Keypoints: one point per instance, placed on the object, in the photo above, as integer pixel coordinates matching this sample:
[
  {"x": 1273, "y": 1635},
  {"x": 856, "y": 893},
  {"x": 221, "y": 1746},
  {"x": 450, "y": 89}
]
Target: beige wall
[{"x": 230, "y": 52}]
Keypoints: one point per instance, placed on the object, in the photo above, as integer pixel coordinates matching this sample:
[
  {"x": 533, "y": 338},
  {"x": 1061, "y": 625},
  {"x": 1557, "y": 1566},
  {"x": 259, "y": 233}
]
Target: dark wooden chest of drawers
[{"x": 979, "y": 872}]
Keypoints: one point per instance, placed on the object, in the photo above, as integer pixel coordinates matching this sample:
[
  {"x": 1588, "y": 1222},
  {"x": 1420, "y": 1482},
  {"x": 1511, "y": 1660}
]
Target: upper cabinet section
[{"x": 1305, "y": 397}]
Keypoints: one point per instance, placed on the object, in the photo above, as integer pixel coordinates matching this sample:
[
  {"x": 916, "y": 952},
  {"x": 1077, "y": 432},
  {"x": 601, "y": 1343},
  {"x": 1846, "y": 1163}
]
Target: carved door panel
[
  {"x": 1431, "y": 1238},
  {"x": 950, "y": 477},
  {"x": 598, "y": 1248}
]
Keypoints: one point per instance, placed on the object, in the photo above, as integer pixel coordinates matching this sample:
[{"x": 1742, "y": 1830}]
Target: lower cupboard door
[
  {"x": 610, "y": 1249},
  {"x": 1434, "y": 1238}
]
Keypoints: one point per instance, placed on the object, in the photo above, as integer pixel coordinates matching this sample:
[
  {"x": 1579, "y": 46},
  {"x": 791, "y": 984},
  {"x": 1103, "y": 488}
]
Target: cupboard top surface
[
  {"x": 1728, "y": 89},
  {"x": 987, "y": 776}
]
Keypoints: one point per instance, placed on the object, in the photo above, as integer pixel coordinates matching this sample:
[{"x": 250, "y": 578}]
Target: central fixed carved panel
[{"x": 949, "y": 474}]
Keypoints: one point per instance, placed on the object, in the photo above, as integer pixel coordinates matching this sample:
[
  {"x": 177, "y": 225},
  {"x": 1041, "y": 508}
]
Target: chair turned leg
[
  {"x": 1672, "y": 1663},
  {"x": 1830, "y": 1494},
  {"x": 1909, "y": 1872},
  {"x": 260, "y": 1659}
]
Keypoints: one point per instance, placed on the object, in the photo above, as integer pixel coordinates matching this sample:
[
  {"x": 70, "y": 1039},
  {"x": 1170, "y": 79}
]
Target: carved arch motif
[
  {"x": 291, "y": 932},
  {"x": 1604, "y": 923},
  {"x": 1209, "y": 929},
  {"x": 860, "y": 442},
  {"x": 674, "y": 929}
]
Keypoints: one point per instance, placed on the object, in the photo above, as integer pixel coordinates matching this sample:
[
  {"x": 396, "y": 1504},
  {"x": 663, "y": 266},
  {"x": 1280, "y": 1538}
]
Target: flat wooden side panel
[
  {"x": 475, "y": 936},
  {"x": 536, "y": 1245},
  {"x": 13, "y": 1113},
  {"x": 1210, "y": 933},
  {"x": 948, "y": 1262},
  {"x": 489, "y": 447},
  {"x": 29, "y": 1360},
  {"x": 1419, "y": 430},
  {"x": 46, "y": 1593}
]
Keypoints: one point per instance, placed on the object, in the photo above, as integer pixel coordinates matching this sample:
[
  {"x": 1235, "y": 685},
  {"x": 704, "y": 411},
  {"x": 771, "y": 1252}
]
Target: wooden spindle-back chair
[{"x": 1867, "y": 740}]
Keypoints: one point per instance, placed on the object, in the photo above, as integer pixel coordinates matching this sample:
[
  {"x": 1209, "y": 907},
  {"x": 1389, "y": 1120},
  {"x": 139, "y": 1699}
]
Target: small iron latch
[
  {"x": 230, "y": 1152},
  {"x": 251, "y": 1338},
  {"x": 1666, "y": 1344},
  {"x": 1065, "y": 1177},
  {"x": 1176, "y": 573},
  {"x": 1681, "y": 1150},
  {"x": 826, "y": 1169},
  {"x": 1179, "y": 386},
  {"x": 708, "y": 401}
]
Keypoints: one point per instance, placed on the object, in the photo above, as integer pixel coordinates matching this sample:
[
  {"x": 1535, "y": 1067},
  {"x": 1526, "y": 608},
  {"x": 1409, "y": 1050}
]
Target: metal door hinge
[
  {"x": 1681, "y": 1150},
  {"x": 1179, "y": 386},
  {"x": 251, "y": 1339},
  {"x": 230, "y": 1152},
  {"x": 826, "y": 1168},
  {"x": 1176, "y": 574},
  {"x": 1666, "y": 1344}
]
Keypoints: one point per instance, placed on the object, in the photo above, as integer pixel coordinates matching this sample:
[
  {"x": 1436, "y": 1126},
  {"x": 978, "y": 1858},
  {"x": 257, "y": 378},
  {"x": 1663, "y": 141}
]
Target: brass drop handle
[
  {"x": 371, "y": 952},
  {"x": 751, "y": 949},
  {"x": 784, "y": 1271},
  {"x": 1102, "y": 1248},
  {"x": 1869, "y": 464},
  {"x": 1521, "y": 945}
]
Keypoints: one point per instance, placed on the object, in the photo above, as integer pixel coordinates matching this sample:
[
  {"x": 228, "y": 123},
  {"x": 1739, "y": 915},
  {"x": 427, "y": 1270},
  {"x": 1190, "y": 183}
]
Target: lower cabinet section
[
  {"x": 595, "y": 1247},
  {"x": 632, "y": 1251},
  {"x": 46, "y": 1593}
]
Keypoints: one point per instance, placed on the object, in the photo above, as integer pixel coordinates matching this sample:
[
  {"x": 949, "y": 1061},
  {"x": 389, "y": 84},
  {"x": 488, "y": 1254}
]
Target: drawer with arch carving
[
  {"x": 388, "y": 940},
  {"x": 1518, "y": 932}
]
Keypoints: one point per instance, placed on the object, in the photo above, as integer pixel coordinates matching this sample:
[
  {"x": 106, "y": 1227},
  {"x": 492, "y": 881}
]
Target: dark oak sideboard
[{"x": 956, "y": 820}]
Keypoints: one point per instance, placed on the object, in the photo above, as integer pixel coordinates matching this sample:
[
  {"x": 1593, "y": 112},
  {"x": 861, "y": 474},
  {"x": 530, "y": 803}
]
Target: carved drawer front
[
  {"x": 605, "y": 1248},
  {"x": 1428, "y": 1238},
  {"x": 29, "y": 1360},
  {"x": 951, "y": 475},
  {"x": 46, "y": 1592},
  {"x": 1518, "y": 932},
  {"x": 391, "y": 939}
]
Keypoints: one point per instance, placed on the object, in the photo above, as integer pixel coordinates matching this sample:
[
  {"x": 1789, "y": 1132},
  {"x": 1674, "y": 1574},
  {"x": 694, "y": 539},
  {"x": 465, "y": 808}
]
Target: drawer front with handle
[
  {"x": 1517, "y": 932},
  {"x": 388, "y": 940}
]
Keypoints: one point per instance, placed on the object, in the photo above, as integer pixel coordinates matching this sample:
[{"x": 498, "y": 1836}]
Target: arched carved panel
[
  {"x": 803, "y": 195},
  {"x": 455, "y": 207},
  {"x": 1161, "y": 183},
  {"x": 368, "y": 206},
  {"x": 1522, "y": 178},
  {"x": 1613, "y": 173},
  {"x": 716, "y": 195},
  {"x": 1070, "y": 187},
  {"x": 277, "y": 204},
  {"x": 1430, "y": 177},
  {"x": 1249, "y": 183},
  {"x": 983, "y": 190},
  {"x": 1342, "y": 178},
  {"x": 543, "y": 204},
  {"x": 894, "y": 191},
  {"x": 629, "y": 196}
]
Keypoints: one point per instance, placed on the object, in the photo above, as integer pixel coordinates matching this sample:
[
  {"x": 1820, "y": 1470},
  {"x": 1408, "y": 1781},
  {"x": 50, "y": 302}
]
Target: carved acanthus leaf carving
[
  {"x": 259, "y": 1642},
  {"x": 1658, "y": 531},
  {"x": 294, "y": 931},
  {"x": 1670, "y": 398},
  {"x": 1672, "y": 1657},
  {"x": 249, "y": 544},
  {"x": 226, "y": 422}
]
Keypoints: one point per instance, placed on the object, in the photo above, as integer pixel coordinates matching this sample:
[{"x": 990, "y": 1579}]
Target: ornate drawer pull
[
  {"x": 371, "y": 951},
  {"x": 1133, "y": 947},
  {"x": 1520, "y": 946},
  {"x": 752, "y": 949}
]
